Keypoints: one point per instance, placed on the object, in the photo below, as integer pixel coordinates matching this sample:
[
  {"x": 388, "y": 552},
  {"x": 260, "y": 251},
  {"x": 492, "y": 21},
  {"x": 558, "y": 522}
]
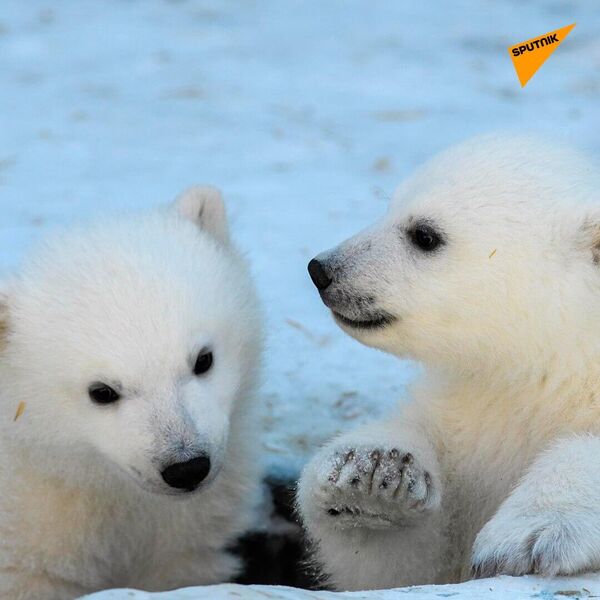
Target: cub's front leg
[
  {"x": 191, "y": 568},
  {"x": 16, "y": 585},
  {"x": 550, "y": 524},
  {"x": 370, "y": 501}
]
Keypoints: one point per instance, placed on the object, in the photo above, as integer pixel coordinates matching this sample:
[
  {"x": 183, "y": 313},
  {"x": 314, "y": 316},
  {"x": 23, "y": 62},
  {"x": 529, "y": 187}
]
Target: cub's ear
[
  {"x": 590, "y": 230},
  {"x": 3, "y": 316},
  {"x": 203, "y": 204}
]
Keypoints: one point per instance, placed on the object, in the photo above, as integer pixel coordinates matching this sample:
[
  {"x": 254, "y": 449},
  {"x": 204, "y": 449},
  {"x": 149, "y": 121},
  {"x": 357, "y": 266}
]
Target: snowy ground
[
  {"x": 500, "y": 588},
  {"x": 306, "y": 113}
]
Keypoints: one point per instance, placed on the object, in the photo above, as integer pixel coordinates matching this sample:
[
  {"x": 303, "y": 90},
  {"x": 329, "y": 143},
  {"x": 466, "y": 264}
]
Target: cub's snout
[
  {"x": 187, "y": 475},
  {"x": 346, "y": 291},
  {"x": 319, "y": 274}
]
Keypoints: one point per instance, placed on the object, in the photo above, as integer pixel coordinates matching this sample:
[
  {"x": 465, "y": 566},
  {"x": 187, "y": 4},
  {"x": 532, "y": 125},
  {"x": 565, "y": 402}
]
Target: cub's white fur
[
  {"x": 493, "y": 467},
  {"x": 129, "y": 302}
]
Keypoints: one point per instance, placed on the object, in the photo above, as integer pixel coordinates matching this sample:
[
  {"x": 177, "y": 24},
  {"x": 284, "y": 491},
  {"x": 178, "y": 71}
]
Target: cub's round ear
[
  {"x": 3, "y": 315},
  {"x": 203, "y": 204},
  {"x": 590, "y": 231}
]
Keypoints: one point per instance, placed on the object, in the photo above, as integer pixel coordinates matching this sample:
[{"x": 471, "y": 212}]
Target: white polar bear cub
[
  {"x": 487, "y": 270},
  {"x": 128, "y": 360}
]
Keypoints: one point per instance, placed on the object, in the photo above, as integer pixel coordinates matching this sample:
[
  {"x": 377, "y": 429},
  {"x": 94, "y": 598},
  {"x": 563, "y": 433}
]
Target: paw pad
[{"x": 382, "y": 486}]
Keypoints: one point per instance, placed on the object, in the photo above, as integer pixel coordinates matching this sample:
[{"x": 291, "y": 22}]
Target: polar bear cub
[
  {"x": 486, "y": 269},
  {"x": 128, "y": 362}
]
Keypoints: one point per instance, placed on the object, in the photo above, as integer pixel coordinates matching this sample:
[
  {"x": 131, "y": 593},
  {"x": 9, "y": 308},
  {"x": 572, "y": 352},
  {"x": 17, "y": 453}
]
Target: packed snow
[{"x": 500, "y": 588}]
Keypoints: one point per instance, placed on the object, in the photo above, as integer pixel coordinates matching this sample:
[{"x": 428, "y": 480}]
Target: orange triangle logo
[{"x": 530, "y": 55}]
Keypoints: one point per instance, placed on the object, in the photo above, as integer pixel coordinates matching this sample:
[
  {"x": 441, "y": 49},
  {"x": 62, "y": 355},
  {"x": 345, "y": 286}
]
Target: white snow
[
  {"x": 500, "y": 588},
  {"x": 306, "y": 113}
]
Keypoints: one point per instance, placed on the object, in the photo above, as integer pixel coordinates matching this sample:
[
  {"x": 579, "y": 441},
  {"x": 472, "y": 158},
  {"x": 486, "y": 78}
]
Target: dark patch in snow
[{"x": 277, "y": 556}]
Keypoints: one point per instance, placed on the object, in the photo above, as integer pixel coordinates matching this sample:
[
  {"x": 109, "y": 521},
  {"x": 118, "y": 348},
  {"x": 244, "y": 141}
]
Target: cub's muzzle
[
  {"x": 187, "y": 475},
  {"x": 319, "y": 274}
]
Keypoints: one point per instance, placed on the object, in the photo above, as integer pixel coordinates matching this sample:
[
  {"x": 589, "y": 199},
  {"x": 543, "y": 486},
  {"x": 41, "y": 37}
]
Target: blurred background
[{"x": 306, "y": 113}]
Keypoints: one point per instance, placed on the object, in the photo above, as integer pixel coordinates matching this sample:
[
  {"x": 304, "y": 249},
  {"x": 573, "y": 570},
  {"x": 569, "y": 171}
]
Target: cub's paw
[
  {"x": 549, "y": 543},
  {"x": 367, "y": 487}
]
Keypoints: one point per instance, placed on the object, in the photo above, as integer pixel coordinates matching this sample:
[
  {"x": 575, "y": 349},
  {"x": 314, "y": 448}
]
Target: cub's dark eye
[
  {"x": 425, "y": 237},
  {"x": 100, "y": 393},
  {"x": 204, "y": 362}
]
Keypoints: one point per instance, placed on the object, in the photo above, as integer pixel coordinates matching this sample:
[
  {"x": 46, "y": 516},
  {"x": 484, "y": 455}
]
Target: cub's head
[
  {"x": 488, "y": 254},
  {"x": 134, "y": 342}
]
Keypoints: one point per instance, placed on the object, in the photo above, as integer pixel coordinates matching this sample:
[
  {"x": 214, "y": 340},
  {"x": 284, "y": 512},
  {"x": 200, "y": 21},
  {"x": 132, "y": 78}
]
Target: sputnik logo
[{"x": 530, "y": 55}]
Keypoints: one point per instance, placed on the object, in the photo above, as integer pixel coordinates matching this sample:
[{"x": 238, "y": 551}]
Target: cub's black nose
[
  {"x": 187, "y": 475},
  {"x": 318, "y": 274}
]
